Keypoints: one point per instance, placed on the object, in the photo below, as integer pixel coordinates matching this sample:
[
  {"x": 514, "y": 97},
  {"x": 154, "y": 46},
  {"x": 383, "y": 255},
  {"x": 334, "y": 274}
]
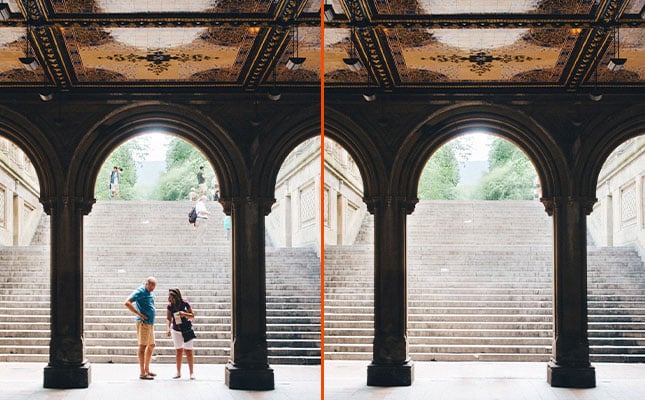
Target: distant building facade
[
  {"x": 618, "y": 218},
  {"x": 295, "y": 216},
  {"x": 20, "y": 208}
]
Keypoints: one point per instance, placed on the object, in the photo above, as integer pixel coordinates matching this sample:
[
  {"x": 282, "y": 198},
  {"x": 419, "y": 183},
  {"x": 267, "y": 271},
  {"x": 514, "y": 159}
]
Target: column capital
[
  {"x": 552, "y": 203},
  {"x": 232, "y": 203},
  {"x": 380, "y": 201},
  {"x": 52, "y": 203}
]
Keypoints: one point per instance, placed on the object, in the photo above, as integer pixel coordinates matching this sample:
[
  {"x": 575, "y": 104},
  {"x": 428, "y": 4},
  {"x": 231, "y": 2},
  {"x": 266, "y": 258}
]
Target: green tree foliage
[
  {"x": 123, "y": 157},
  {"x": 440, "y": 176},
  {"x": 182, "y": 164},
  {"x": 510, "y": 176}
]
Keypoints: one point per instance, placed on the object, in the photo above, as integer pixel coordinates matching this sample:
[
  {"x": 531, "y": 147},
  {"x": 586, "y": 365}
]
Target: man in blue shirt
[{"x": 142, "y": 303}]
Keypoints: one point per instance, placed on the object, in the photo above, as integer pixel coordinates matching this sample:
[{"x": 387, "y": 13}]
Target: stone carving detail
[
  {"x": 91, "y": 36},
  {"x": 212, "y": 75},
  {"x": 3, "y": 207},
  {"x": 414, "y": 37},
  {"x": 326, "y": 205},
  {"x": 223, "y": 36},
  {"x": 548, "y": 37},
  {"x": 422, "y": 75},
  {"x": 554, "y": 203},
  {"x": 20, "y": 75},
  {"x": 481, "y": 62},
  {"x": 308, "y": 205},
  {"x": 538, "y": 75},
  {"x": 159, "y": 61},
  {"x": 628, "y": 204},
  {"x": 102, "y": 75},
  {"x": 376, "y": 202}
]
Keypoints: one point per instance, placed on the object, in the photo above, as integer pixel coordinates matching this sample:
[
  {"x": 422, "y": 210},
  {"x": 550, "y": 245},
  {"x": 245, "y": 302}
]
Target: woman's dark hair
[{"x": 176, "y": 293}]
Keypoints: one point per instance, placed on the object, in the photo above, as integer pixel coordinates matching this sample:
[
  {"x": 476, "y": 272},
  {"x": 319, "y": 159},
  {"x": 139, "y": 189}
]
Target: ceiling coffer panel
[
  {"x": 492, "y": 55},
  {"x": 158, "y": 54}
]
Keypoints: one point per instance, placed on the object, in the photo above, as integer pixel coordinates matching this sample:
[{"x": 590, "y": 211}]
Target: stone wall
[
  {"x": 20, "y": 208},
  {"x": 618, "y": 218},
  {"x": 294, "y": 220}
]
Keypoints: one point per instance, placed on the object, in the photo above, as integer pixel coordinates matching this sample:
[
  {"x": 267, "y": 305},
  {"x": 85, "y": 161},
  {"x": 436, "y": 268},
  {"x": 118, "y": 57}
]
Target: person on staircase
[
  {"x": 115, "y": 177},
  {"x": 202, "y": 219},
  {"x": 179, "y": 317},
  {"x": 201, "y": 181},
  {"x": 142, "y": 303}
]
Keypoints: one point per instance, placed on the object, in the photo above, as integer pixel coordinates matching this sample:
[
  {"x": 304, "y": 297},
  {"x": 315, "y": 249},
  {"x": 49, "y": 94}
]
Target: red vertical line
[{"x": 322, "y": 199}]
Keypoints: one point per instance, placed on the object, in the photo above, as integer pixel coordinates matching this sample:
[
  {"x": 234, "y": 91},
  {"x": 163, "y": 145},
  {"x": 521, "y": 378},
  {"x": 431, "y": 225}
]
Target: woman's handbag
[{"x": 188, "y": 334}]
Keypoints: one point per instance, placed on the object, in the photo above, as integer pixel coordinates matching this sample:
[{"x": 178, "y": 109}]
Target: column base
[
  {"x": 390, "y": 374},
  {"x": 67, "y": 377},
  {"x": 571, "y": 377},
  {"x": 248, "y": 379}
]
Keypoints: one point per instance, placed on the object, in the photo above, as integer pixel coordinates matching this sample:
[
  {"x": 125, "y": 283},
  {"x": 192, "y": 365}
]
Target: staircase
[
  {"x": 125, "y": 242},
  {"x": 487, "y": 297}
]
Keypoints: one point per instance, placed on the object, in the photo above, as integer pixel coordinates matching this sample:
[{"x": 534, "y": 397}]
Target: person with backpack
[{"x": 201, "y": 221}]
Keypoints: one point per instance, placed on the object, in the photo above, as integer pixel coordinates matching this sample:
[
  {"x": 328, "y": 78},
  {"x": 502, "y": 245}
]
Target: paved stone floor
[
  {"x": 343, "y": 380},
  {"x": 483, "y": 381}
]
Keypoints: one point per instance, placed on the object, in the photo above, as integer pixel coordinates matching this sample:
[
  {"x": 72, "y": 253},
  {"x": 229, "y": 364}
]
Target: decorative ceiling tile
[
  {"x": 338, "y": 47},
  {"x": 13, "y": 47},
  {"x": 470, "y": 7},
  {"x": 157, "y": 54},
  {"x": 477, "y": 56},
  {"x": 308, "y": 46},
  {"x": 160, "y": 6},
  {"x": 634, "y": 6},
  {"x": 631, "y": 47}
]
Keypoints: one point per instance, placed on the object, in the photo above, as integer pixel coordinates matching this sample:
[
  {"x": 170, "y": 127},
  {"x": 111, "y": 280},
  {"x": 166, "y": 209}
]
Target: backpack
[{"x": 192, "y": 216}]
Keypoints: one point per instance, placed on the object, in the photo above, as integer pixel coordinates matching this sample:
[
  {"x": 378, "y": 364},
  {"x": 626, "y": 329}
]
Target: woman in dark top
[{"x": 179, "y": 316}]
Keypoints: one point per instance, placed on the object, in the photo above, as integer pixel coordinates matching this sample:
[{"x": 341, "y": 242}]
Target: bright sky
[
  {"x": 480, "y": 143},
  {"x": 157, "y": 144}
]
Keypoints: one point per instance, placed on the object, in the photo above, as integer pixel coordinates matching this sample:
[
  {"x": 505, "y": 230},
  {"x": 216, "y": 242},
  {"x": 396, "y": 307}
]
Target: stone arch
[
  {"x": 448, "y": 123},
  {"x": 278, "y": 145},
  {"x": 604, "y": 138},
  {"x": 175, "y": 120},
  {"x": 365, "y": 152},
  {"x": 37, "y": 147}
]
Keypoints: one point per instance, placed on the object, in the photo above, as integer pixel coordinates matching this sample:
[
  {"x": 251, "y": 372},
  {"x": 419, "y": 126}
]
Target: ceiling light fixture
[
  {"x": 294, "y": 61},
  {"x": 28, "y": 61},
  {"x": 329, "y": 12},
  {"x": 5, "y": 12},
  {"x": 46, "y": 93},
  {"x": 616, "y": 63},
  {"x": 352, "y": 62},
  {"x": 369, "y": 94},
  {"x": 595, "y": 94},
  {"x": 273, "y": 93}
]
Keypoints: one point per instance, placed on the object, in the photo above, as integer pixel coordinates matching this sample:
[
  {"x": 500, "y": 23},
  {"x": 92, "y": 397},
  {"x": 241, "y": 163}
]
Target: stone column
[
  {"x": 609, "y": 220},
  {"x": 390, "y": 365},
  {"x": 68, "y": 367},
  {"x": 248, "y": 367},
  {"x": 18, "y": 204},
  {"x": 569, "y": 365}
]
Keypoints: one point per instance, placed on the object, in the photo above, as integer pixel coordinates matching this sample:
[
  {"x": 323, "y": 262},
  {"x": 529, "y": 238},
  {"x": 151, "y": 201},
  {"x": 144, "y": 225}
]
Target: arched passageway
[
  {"x": 391, "y": 362},
  {"x": 480, "y": 255},
  {"x": 68, "y": 193}
]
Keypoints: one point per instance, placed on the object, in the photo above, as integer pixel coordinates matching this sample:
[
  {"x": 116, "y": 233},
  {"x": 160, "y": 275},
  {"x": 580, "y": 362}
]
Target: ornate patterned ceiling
[{"x": 245, "y": 45}]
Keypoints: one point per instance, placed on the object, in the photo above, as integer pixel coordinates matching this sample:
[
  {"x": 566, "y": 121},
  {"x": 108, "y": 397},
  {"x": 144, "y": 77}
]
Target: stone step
[
  {"x": 470, "y": 281},
  {"x": 113, "y": 269}
]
